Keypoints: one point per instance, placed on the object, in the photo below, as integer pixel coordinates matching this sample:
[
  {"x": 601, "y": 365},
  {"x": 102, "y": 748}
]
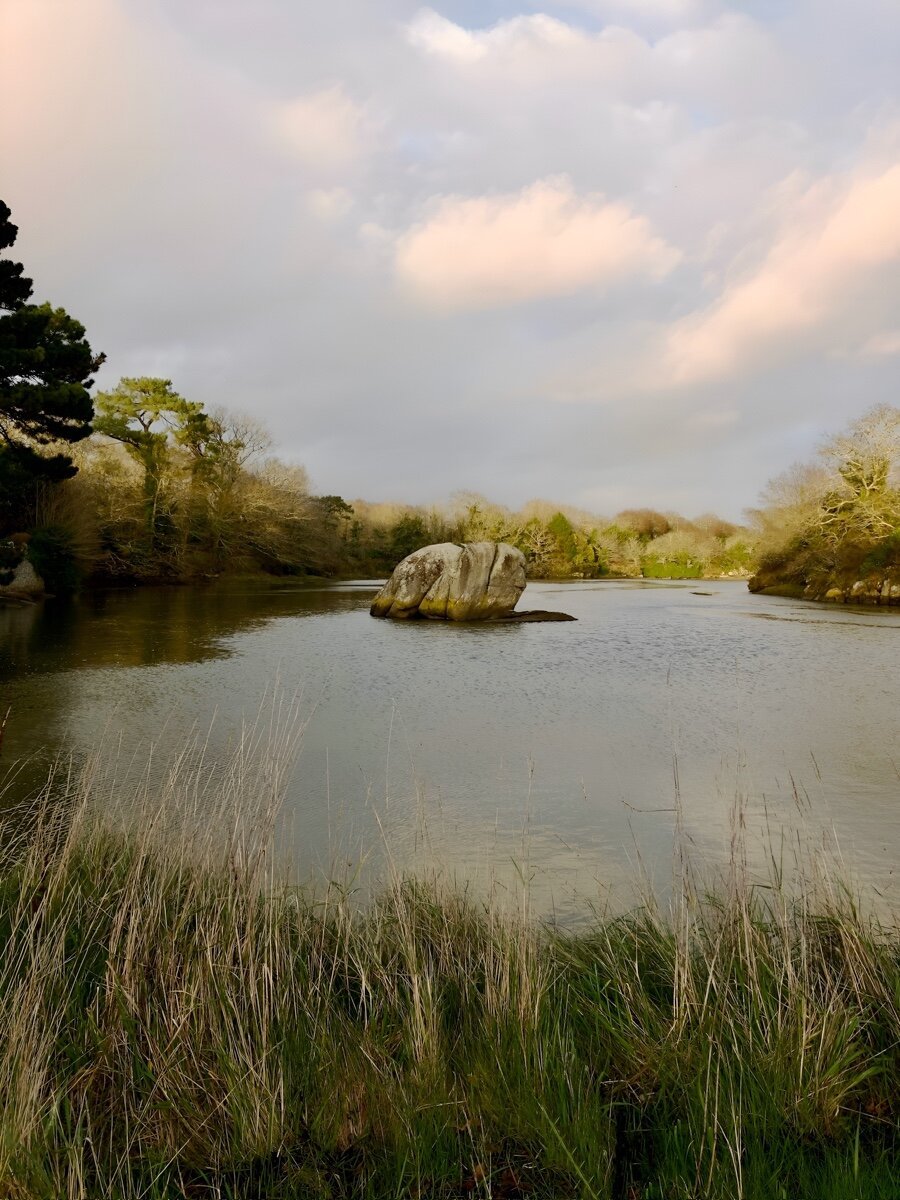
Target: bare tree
[
  {"x": 644, "y": 522},
  {"x": 866, "y": 460}
]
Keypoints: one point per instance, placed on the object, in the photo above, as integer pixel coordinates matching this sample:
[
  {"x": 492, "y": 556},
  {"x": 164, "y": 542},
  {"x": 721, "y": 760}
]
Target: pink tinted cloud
[
  {"x": 323, "y": 130},
  {"x": 546, "y": 240},
  {"x": 826, "y": 255}
]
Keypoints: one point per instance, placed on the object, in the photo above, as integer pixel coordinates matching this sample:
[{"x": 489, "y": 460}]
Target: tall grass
[{"x": 175, "y": 1022}]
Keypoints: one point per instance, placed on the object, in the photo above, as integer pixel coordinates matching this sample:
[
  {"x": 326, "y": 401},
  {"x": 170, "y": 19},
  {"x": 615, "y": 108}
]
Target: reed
[{"x": 175, "y": 1022}]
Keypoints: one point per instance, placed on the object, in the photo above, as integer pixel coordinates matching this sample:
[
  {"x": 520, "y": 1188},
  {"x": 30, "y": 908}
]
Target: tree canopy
[
  {"x": 141, "y": 413},
  {"x": 834, "y": 525},
  {"x": 46, "y": 366}
]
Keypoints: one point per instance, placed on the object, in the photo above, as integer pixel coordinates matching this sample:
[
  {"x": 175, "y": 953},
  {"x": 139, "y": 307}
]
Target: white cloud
[
  {"x": 442, "y": 38},
  {"x": 434, "y": 34},
  {"x": 731, "y": 59},
  {"x": 842, "y": 233},
  {"x": 329, "y": 204},
  {"x": 882, "y": 345},
  {"x": 324, "y": 130},
  {"x": 545, "y": 240}
]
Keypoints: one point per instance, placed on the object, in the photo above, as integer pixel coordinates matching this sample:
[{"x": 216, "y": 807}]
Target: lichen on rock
[{"x": 472, "y": 581}]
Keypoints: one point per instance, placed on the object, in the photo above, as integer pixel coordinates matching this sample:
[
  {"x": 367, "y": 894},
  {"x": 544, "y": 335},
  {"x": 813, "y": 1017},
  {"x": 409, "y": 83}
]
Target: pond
[{"x": 568, "y": 754}]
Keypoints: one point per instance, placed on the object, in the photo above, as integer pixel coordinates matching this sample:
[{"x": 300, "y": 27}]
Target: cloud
[
  {"x": 543, "y": 241},
  {"x": 276, "y": 181},
  {"x": 730, "y": 59},
  {"x": 882, "y": 345},
  {"x": 669, "y": 10},
  {"x": 324, "y": 130},
  {"x": 443, "y": 39},
  {"x": 329, "y": 204},
  {"x": 834, "y": 246}
]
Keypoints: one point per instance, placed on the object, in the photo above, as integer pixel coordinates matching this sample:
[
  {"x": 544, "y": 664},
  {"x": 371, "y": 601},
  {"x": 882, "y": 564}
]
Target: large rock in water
[
  {"x": 25, "y": 584},
  {"x": 476, "y": 581}
]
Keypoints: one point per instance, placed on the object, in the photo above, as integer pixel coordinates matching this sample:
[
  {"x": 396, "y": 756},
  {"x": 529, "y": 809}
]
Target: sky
[{"x": 614, "y": 253}]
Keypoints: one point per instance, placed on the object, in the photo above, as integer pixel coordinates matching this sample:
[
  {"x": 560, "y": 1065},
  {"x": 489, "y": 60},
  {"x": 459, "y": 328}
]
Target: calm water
[{"x": 551, "y": 751}]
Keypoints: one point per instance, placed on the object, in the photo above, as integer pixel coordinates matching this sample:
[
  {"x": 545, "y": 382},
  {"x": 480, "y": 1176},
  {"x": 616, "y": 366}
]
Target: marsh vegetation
[{"x": 176, "y": 1022}]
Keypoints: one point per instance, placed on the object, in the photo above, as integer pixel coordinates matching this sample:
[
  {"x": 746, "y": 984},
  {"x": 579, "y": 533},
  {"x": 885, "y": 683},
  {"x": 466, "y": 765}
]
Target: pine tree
[{"x": 46, "y": 365}]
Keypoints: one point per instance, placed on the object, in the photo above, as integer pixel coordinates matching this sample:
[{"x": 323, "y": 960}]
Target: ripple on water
[{"x": 557, "y": 745}]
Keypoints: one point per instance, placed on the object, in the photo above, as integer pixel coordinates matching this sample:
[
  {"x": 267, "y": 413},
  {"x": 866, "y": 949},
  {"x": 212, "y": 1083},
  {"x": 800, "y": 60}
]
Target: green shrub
[
  {"x": 53, "y": 556},
  {"x": 10, "y": 555},
  {"x": 679, "y": 566},
  {"x": 883, "y": 555}
]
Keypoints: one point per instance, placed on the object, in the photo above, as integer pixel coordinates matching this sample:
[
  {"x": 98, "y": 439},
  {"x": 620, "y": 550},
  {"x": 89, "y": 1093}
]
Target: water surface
[{"x": 565, "y": 753}]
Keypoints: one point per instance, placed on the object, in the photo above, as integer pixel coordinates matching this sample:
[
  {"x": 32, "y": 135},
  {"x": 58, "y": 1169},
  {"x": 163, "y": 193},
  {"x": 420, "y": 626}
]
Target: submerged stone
[{"x": 538, "y": 614}]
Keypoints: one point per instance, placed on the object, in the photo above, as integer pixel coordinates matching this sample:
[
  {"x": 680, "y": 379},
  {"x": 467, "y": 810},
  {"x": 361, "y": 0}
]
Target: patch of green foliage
[
  {"x": 46, "y": 365},
  {"x": 679, "y": 566},
  {"x": 10, "y": 555},
  {"x": 53, "y": 556},
  {"x": 884, "y": 554}
]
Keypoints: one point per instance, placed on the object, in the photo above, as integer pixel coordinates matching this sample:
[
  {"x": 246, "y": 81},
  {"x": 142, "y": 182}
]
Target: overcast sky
[{"x": 610, "y": 252}]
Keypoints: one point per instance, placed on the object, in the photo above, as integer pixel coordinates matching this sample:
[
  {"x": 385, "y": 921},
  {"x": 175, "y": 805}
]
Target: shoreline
[{"x": 860, "y": 594}]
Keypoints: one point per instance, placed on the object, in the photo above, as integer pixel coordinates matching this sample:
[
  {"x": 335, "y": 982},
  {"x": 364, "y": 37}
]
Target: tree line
[
  {"x": 565, "y": 542},
  {"x": 830, "y": 528}
]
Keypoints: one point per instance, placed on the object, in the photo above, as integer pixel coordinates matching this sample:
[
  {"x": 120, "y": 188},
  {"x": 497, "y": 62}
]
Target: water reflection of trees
[
  {"x": 41, "y": 646},
  {"x": 148, "y": 626}
]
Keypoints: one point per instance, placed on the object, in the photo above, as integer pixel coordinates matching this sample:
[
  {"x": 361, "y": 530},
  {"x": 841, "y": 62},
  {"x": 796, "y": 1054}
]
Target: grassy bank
[{"x": 173, "y": 1023}]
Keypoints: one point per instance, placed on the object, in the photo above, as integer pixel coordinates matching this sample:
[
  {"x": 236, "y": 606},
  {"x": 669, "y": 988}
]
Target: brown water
[{"x": 558, "y": 752}]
